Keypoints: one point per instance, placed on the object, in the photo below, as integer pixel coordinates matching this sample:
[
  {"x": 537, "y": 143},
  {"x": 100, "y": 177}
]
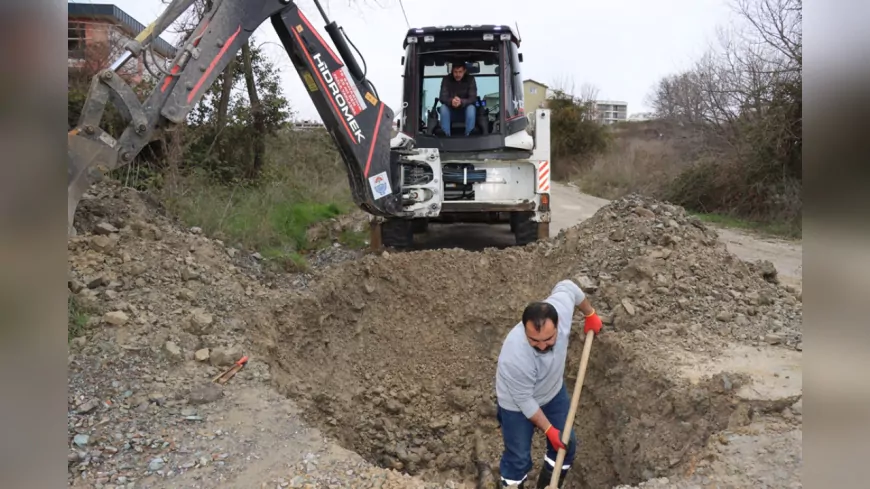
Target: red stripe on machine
[
  {"x": 374, "y": 139},
  {"x": 176, "y": 68},
  {"x": 323, "y": 84},
  {"x": 213, "y": 63},
  {"x": 317, "y": 35}
]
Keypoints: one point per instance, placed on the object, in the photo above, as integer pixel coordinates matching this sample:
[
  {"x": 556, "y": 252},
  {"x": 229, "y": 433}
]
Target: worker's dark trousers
[
  {"x": 448, "y": 113},
  {"x": 517, "y": 431}
]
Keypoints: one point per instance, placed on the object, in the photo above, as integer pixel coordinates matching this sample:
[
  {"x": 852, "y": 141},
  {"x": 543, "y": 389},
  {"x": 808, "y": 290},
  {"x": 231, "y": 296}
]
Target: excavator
[{"x": 498, "y": 173}]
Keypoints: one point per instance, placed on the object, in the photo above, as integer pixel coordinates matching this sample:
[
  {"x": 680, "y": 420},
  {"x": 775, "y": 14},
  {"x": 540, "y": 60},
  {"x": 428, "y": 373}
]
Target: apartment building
[
  {"x": 611, "y": 111},
  {"x": 96, "y": 36}
]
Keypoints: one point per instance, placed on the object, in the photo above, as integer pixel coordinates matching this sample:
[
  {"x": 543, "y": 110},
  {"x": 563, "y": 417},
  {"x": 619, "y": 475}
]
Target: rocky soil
[
  {"x": 387, "y": 360},
  {"x": 766, "y": 453},
  {"x": 395, "y": 354},
  {"x": 168, "y": 310}
]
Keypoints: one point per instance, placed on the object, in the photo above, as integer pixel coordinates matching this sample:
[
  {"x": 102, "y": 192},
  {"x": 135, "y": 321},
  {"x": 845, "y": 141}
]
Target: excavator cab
[
  {"x": 500, "y": 172},
  {"x": 485, "y": 117},
  {"x": 491, "y": 55}
]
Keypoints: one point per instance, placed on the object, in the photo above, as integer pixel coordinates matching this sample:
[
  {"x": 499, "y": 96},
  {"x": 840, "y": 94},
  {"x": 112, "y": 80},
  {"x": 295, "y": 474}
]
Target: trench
[{"x": 407, "y": 391}]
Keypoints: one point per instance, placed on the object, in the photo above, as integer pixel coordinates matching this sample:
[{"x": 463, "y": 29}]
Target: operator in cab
[{"x": 458, "y": 95}]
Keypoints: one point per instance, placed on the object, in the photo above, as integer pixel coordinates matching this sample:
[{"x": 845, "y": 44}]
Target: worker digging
[
  {"x": 529, "y": 383},
  {"x": 387, "y": 361}
]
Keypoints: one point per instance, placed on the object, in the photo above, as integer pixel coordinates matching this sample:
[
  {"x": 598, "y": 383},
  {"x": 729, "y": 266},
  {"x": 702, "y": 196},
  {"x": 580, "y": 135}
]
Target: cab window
[
  {"x": 486, "y": 75},
  {"x": 514, "y": 105}
]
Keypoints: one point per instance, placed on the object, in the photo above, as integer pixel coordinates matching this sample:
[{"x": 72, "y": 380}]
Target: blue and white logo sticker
[{"x": 380, "y": 185}]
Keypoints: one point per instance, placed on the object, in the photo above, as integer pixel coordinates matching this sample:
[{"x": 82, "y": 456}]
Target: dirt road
[
  {"x": 570, "y": 206},
  {"x": 786, "y": 256}
]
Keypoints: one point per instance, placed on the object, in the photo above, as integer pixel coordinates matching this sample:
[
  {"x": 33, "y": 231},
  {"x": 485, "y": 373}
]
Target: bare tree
[
  {"x": 678, "y": 97},
  {"x": 776, "y": 25},
  {"x": 588, "y": 93},
  {"x": 742, "y": 77},
  {"x": 562, "y": 84},
  {"x": 564, "y": 87},
  {"x": 743, "y": 97}
]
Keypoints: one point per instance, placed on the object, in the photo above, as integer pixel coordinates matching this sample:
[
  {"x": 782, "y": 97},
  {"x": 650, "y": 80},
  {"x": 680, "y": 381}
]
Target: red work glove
[
  {"x": 592, "y": 323},
  {"x": 553, "y": 435}
]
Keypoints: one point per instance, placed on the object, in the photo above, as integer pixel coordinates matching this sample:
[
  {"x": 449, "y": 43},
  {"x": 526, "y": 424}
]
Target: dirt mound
[
  {"x": 395, "y": 355},
  {"x": 657, "y": 267},
  {"x": 159, "y": 311}
]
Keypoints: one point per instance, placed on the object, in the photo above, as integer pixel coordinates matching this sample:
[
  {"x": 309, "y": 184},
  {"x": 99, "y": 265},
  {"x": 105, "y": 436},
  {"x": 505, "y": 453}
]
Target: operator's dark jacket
[{"x": 465, "y": 89}]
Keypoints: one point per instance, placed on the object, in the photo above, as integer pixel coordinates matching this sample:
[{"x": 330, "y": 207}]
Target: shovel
[
  {"x": 227, "y": 375},
  {"x": 575, "y": 400}
]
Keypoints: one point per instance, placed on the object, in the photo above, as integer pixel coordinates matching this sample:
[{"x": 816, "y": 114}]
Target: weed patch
[
  {"x": 303, "y": 183},
  {"x": 631, "y": 166},
  {"x": 775, "y": 229},
  {"x": 290, "y": 261},
  {"x": 678, "y": 165},
  {"x": 77, "y": 318}
]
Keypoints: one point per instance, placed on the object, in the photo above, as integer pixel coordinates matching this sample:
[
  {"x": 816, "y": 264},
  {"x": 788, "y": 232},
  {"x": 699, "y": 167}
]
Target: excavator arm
[{"x": 358, "y": 121}]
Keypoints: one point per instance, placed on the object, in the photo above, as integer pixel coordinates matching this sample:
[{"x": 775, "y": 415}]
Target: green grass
[
  {"x": 295, "y": 261},
  {"x": 774, "y": 229},
  {"x": 290, "y": 261},
  {"x": 291, "y": 220},
  {"x": 254, "y": 217},
  {"x": 303, "y": 183},
  {"x": 77, "y": 319}
]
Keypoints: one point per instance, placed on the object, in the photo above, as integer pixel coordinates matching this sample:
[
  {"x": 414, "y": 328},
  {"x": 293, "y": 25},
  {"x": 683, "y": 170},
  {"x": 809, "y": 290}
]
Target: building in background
[
  {"x": 535, "y": 96},
  {"x": 97, "y": 33},
  {"x": 641, "y": 116},
  {"x": 611, "y": 111},
  {"x": 307, "y": 125}
]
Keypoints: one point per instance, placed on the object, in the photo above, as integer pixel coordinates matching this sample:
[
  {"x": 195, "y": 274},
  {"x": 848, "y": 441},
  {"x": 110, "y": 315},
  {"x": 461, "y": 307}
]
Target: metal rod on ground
[{"x": 575, "y": 401}]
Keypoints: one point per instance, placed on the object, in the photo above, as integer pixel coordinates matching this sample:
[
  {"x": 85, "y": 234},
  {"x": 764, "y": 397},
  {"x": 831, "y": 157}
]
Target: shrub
[
  {"x": 574, "y": 135},
  {"x": 303, "y": 182}
]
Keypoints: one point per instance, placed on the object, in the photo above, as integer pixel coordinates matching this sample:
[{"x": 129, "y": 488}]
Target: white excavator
[{"x": 498, "y": 173}]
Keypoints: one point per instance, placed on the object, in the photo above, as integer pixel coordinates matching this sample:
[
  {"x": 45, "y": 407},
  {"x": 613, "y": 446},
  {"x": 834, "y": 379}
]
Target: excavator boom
[{"x": 358, "y": 121}]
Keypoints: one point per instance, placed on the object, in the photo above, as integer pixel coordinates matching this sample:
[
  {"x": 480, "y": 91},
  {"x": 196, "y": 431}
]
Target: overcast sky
[{"x": 622, "y": 47}]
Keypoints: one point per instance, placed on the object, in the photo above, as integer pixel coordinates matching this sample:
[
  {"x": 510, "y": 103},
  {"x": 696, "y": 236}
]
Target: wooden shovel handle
[{"x": 575, "y": 401}]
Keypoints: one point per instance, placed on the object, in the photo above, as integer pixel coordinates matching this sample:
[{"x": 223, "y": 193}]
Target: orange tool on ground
[{"x": 224, "y": 377}]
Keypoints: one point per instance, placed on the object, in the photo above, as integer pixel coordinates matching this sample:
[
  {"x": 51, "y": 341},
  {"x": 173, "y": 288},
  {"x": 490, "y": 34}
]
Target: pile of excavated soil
[
  {"x": 395, "y": 355},
  {"x": 167, "y": 310}
]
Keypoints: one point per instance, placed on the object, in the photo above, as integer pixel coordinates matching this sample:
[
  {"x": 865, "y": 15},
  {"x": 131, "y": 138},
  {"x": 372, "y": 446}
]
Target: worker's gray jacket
[
  {"x": 465, "y": 89},
  {"x": 525, "y": 377}
]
